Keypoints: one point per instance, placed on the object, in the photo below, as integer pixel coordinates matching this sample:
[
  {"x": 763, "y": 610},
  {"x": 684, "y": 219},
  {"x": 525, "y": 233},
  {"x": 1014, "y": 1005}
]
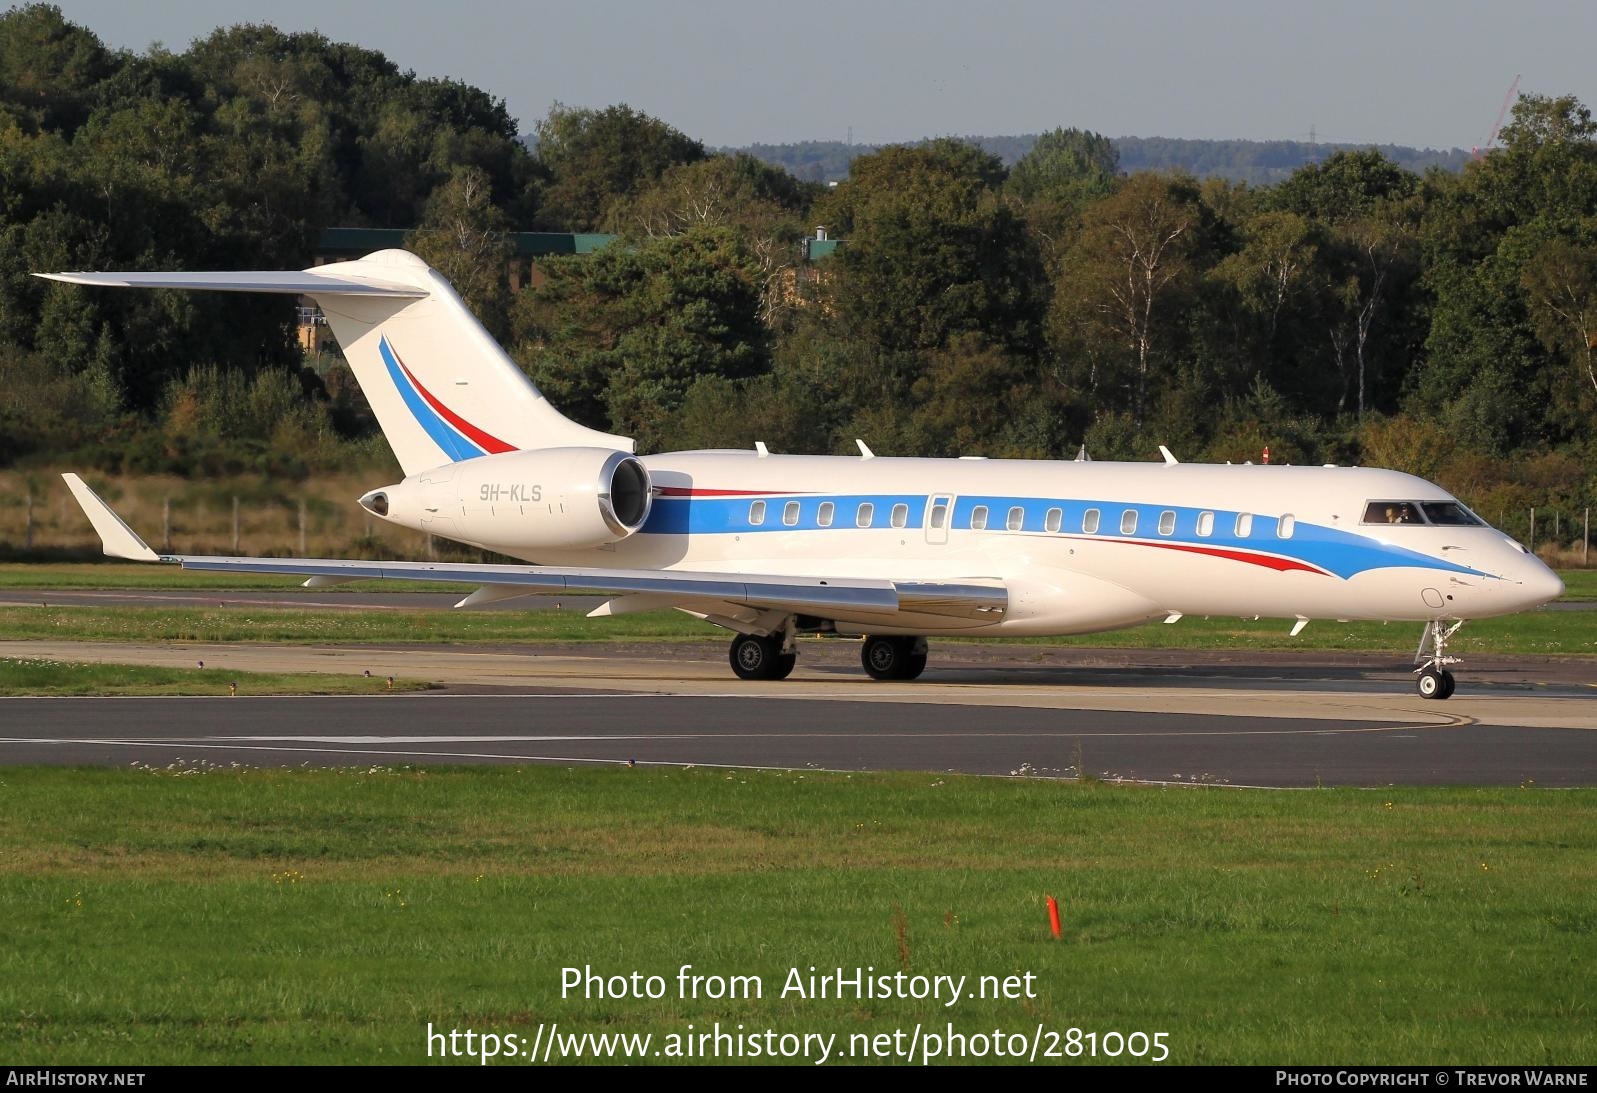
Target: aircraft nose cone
[{"x": 1544, "y": 586}]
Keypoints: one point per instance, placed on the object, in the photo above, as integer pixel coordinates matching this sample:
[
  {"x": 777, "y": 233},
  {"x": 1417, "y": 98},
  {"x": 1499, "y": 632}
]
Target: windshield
[
  {"x": 1443, "y": 513},
  {"x": 1450, "y": 513},
  {"x": 1393, "y": 512}
]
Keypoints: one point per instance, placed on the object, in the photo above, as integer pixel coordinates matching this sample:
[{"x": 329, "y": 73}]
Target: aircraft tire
[
  {"x": 1449, "y": 684},
  {"x": 757, "y": 658},
  {"x": 1430, "y": 684},
  {"x": 891, "y": 658}
]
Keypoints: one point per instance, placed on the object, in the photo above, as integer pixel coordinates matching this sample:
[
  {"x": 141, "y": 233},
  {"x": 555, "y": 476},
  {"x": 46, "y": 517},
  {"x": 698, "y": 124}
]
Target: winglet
[{"x": 119, "y": 540}]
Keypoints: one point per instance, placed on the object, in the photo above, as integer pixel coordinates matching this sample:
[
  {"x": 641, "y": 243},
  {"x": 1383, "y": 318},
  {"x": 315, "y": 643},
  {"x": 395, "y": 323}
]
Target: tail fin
[{"x": 441, "y": 387}]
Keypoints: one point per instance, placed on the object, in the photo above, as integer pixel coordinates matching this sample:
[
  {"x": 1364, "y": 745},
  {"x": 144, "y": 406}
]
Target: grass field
[
  {"x": 1544, "y": 632},
  {"x": 52, "y": 677},
  {"x": 1579, "y": 584},
  {"x": 328, "y": 916}
]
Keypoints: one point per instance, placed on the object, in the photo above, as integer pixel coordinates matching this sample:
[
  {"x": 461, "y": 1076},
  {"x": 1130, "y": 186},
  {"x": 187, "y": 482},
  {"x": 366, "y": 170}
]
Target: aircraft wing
[{"x": 708, "y": 593}]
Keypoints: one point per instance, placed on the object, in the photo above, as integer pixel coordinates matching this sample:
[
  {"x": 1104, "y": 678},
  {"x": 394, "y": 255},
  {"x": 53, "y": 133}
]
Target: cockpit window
[
  {"x": 1393, "y": 512},
  {"x": 1450, "y": 514}
]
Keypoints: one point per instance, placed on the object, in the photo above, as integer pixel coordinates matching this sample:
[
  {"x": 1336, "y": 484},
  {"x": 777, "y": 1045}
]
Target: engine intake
[{"x": 630, "y": 496}]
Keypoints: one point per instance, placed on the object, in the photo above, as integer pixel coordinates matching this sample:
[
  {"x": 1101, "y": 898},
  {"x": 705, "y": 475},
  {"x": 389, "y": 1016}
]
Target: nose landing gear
[{"x": 1432, "y": 679}]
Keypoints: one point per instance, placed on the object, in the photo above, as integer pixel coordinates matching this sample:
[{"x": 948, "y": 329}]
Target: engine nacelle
[{"x": 550, "y": 499}]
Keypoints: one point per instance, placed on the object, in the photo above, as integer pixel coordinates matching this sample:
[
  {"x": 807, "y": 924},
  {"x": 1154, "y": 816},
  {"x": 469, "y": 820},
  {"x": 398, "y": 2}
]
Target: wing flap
[{"x": 801, "y": 593}]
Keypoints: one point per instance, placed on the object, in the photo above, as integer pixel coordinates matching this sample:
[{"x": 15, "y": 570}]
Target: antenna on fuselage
[
  {"x": 864, "y": 450},
  {"x": 1169, "y": 459},
  {"x": 1082, "y": 456}
]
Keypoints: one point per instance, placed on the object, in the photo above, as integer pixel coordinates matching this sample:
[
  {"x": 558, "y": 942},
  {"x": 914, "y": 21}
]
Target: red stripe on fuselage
[
  {"x": 1268, "y": 561},
  {"x": 486, "y": 441}
]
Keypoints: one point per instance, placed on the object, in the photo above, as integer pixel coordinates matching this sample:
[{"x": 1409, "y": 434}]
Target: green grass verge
[
  {"x": 53, "y": 677},
  {"x": 1579, "y": 584},
  {"x": 1537, "y": 632},
  {"x": 328, "y": 916}
]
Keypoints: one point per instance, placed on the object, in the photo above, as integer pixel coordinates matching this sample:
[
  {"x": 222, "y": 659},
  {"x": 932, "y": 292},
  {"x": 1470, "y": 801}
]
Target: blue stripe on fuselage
[{"x": 1342, "y": 553}]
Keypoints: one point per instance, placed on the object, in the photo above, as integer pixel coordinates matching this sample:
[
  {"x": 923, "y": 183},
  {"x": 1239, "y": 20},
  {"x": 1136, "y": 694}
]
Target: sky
[{"x": 1426, "y": 73}]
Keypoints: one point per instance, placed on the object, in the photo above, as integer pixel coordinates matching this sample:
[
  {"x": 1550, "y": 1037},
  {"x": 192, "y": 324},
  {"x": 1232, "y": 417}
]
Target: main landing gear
[
  {"x": 1432, "y": 679},
  {"x": 772, "y": 657},
  {"x": 754, "y": 657},
  {"x": 893, "y": 658}
]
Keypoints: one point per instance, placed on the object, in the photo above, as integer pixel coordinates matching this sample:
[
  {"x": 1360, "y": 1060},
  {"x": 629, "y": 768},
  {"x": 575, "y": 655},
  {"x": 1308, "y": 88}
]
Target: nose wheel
[
  {"x": 1435, "y": 683},
  {"x": 1432, "y": 679}
]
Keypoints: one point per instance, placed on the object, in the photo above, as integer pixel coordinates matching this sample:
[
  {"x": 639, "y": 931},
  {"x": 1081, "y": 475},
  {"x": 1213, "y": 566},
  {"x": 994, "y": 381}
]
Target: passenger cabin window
[
  {"x": 1128, "y": 522},
  {"x": 978, "y": 518},
  {"x": 757, "y": 513},
  {"x": 1244, "y": 524},
  {"x": 1287, "y": 526},
  {"x": 1017, "y": 518},
  {"x": 866, "y": 513},
  {"x": 900, "y": 515},
  {"x": 939, "y": 514},
  {"x": 824, "y": 515},
  {"x": 1054, "y": 520},
  {"x": 790, "y": 513},
  {"x": 1089, "y": 522},
  {"x": 1450, "y": 514},
  {"x": 1167, "y": 522},
  {"x": 1205, "y": 524}
]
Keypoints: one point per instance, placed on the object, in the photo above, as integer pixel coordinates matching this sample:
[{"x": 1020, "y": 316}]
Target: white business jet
[{"x": 891, "y": 550}]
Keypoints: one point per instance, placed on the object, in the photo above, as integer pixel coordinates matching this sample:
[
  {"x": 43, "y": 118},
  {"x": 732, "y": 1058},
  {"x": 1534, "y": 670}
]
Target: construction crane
[{"x": 1480, "y": 150}]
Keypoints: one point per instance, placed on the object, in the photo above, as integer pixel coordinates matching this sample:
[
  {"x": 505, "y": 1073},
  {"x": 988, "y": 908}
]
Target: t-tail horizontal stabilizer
[{"x": 119, "y": 540}]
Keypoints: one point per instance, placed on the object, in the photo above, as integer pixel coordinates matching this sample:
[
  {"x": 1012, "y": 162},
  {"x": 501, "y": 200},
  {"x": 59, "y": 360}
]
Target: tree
[
  {"x": 49, "y": 68},
  {"x": 597, "y": 157},
  {"x": 1371, "y": 207},
  {"x": 1276, "y": 276},
  {"x": 1561, "y": 285},
  {"x": 1374, "y": 257},
  {"x": 466, "y": 237},
  {"x": 1124, "y": 277},
  {"x": 763, "y": 204},
  {"x": 1493, "y": 368},
  {"x": 617, "y": 338},
  {"x": 1346, "y": 186},
  {"x": 1075, "y": 162},
  {"x": 932, "y": 250}
]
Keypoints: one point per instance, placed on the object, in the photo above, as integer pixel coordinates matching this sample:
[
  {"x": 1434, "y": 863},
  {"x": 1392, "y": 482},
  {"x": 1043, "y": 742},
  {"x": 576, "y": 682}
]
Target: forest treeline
[
  {"x": 1252, "y": 161},
  {"x": 1443, "y": 323}
]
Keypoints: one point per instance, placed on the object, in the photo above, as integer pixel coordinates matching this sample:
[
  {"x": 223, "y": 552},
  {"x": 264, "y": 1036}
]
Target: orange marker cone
[{"x": 1053, "y": 916}]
